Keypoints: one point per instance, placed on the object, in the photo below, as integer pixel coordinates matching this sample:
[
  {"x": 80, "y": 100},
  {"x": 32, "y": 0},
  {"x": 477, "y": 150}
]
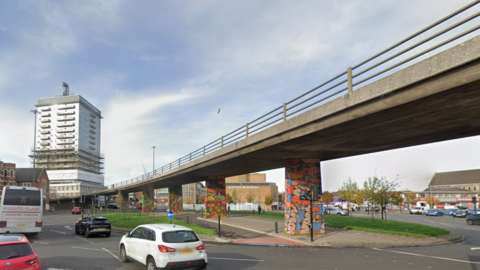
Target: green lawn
[
  {"x": 365, "y": 224},
  {"x": 133, "y": 220}
]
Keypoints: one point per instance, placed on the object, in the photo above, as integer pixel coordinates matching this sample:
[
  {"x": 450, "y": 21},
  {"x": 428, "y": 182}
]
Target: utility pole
[
  {"x": 153, "y": 147},
  {"x": 34, "y": 145}
]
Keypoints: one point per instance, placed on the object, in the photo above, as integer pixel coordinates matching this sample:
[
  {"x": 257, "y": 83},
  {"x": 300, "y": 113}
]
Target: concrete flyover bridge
[{"x": 424, "y": 89}]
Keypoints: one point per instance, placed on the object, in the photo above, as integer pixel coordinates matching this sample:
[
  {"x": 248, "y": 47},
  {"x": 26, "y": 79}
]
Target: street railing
[{"x": 451, "y": 28}]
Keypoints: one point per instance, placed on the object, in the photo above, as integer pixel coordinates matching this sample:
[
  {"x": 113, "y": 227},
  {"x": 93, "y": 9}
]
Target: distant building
[
  {"x": 251, "y": 185},
  {"x": 68, "y": 144},
  {"x": 452, "y": 189},
  {"x": 39, "y": 178},
  {"x": 7, "y": 175}
]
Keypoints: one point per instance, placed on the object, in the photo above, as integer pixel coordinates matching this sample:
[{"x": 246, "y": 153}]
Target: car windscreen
[
  {"x": 15, "y": 251},
  {"x": 22, "y": 197},
  {"x": 179, "y": 237}
]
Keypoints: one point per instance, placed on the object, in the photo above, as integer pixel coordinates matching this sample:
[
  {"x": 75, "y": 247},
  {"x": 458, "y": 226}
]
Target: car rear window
[
  {"x": 15, "y": 251},
  {"x": 179, "y": 237},
  {"x": 100, "y": 220}
]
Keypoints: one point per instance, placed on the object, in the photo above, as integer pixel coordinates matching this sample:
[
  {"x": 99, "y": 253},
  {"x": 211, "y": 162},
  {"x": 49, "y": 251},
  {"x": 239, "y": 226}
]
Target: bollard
[
  {"x": 187, "y": 218},
  {"x": 276, "y": 226}
]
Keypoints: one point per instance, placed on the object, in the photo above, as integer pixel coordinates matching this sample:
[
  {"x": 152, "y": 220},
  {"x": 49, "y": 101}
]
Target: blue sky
[{"x": 160, "y": 70}]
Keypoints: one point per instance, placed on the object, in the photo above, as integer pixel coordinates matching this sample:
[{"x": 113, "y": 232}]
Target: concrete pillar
[
  {"x": 300, "y": 175},
  {"x": 148, "y": 201},
  {"x": 215, "y": 197},
  {"x": 175, "y": 200}
]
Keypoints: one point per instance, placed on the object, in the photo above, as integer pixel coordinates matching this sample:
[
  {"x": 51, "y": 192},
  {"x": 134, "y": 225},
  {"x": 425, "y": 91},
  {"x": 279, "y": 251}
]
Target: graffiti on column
[
  {"x": 215, "y": 200},
  {"x": 148, "y": 202},
  {"x": 299, "y": 175},
  {"x": 175, "y": 201}
]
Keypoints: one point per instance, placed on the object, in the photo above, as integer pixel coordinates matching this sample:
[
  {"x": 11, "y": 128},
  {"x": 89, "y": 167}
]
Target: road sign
[{"x": 170, "y": 214}]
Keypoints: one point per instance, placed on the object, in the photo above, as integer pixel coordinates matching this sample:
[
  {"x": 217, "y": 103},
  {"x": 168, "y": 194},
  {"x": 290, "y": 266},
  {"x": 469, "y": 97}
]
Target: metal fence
[{"x": 447, "y": 32}]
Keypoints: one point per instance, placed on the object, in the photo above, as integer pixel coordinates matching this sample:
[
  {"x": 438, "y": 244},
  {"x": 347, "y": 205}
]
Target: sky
[{"x": 159, "y": 71}]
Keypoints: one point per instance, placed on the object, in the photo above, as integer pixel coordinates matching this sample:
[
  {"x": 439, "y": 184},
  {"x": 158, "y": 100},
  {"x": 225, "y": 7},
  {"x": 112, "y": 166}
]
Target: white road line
[
  {"x": 58, "y": 232},
  {"x": 474, "y": 248},
  {"x": 233, "y": 259},
  {"x": 68, "y": 227},
  {"x": 45, "y": 243},
  {"x": 96, "y": 249},
  {"x": 426, "y": 256},
  {"x": 112, "y": 254},
  {"x": 84, "y": 239},
  {"x": 57, "y": 269}
]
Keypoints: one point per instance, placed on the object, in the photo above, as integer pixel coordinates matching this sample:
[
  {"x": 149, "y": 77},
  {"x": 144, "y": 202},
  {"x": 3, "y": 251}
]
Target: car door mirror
[{"x": 127, "y": 235}]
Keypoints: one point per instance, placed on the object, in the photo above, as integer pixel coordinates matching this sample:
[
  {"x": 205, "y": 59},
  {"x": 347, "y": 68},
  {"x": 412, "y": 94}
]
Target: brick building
[
  {"x": 253, "y": 185},
  {"x": 7, "y": 175}
]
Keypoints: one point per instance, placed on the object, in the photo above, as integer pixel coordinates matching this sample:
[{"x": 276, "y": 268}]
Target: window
[
  {"x": 22, "y": 197},
  {"x": 15, "y": 250},
  {"x": 11, "y": 173},
  {"x": 27, "y": 184},
  {"x": 179, "y": 237},
  {"x": 136, "y": 233}
]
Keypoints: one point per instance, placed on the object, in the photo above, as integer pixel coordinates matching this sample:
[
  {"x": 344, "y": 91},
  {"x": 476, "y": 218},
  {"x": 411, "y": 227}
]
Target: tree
[
  {"x": 327, "y": 197},
  {"x": 268, "y": 200},
  {"x": 249, "y": 197},
  {"x": 189, "y": 200},
  {"x": 432, "y": 201},
  {"x": 378, "y": 190},
  {"x": 349, "y": 190},
  {"x": 229, "y": 198},
  {"x": 410, "y": 198},
  {"x": 235, "y": 195}
]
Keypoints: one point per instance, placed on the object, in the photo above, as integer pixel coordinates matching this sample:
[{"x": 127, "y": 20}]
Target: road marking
[
  {"x": 96, "y": 249},
  {"x": 68, "y": 227},
  {"x": 112, "y": 254},
  {"x": 426, "y": 256},
  {"x": 58, "y": 232},
  {"x": 57, "y": 269},
  {"x": 84, "y": 239},
  {"x": 474, "y": 248},
  {"x": 45, "y": 243},
  {"x": 233, "y": 259}
]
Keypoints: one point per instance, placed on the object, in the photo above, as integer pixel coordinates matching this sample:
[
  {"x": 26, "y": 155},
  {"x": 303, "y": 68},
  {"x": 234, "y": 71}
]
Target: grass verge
[
  {"x": 366, "y": 224},
  {"x": 131, "y": 221}
]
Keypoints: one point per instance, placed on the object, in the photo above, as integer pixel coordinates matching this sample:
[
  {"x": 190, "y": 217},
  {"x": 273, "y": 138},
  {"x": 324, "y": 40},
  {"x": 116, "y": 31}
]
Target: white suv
[{"x": 164, "y": 246}]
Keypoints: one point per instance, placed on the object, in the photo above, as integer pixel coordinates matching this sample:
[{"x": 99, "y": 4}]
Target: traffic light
[
  {"x": 474, "y": 199},
  {"x": 82, "y": 198},
  {"x": 306, "y": 196},
  {"x": 316, "y": 192}
]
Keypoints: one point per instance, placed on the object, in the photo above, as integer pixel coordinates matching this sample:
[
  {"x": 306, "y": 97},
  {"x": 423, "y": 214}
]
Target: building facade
[
  {"x": 68, "y": 136},
  {"x": 250, "y": 188},
  {"x": 7, "y": 175}
]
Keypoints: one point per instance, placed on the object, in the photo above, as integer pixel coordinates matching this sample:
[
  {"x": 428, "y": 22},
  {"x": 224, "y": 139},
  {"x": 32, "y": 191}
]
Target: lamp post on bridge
[
  {"x": 34, "y": 145},
  {"x": 153, "y": 172}
]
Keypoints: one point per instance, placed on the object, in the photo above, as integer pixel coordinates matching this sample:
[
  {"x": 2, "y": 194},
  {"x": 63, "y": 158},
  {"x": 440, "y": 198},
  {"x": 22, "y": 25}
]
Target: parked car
[
  {"x": 77, "y": 210},
  {"x": 449, "y": 212},
  {"x": 16, "y": 252},
  {"x": 417, "y": 210},
  {"x": 335, "y": 211},
  {"x": 434, "y": 212},
  {"x": 166, "y": 246},
  {"x": 473, "y": 219},
  {"x": 89, "y": 226},
  {"x": 112, "y": 206},
  {"x": 462, "y": 213}
]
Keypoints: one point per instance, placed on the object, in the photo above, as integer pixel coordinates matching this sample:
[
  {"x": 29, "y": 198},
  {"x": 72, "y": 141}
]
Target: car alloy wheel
[
  {"x": 470, "y": 222},
  {"x": 87, "y": 235},
  {"x": 123, "y": 254},
  {"x": 151, "y": 264}
]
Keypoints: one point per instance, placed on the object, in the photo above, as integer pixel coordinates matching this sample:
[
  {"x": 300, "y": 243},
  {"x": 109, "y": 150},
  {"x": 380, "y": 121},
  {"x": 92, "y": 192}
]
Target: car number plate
[
  {"x": 101, "y": 229},
  {"x": 186, "y": 251},
  {"x": 20, "y": 225}
]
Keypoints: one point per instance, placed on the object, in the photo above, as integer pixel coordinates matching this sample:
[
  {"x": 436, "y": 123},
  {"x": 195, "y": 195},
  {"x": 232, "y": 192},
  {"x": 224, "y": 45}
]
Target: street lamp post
[
  {"x": 153, "y": 172},
  {"x": 34, "y": 146}
]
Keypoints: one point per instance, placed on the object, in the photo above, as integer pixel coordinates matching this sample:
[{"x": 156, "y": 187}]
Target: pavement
[{"x": 251, "y": 230}]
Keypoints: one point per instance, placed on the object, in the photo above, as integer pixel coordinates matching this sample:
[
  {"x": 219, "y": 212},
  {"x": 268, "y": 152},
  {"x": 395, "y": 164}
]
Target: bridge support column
[
  {"x": 148, "y": 201},
  {"x": 300, "y": 176},
  {"x": 215, "y": 199},
  {"x": 175, "y": 200},
  {"x": 122, "y": 200}
]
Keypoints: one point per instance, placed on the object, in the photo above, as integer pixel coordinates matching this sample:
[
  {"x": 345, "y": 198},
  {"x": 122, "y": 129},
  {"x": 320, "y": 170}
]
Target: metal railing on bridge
[{"x": 450, "y": 31}]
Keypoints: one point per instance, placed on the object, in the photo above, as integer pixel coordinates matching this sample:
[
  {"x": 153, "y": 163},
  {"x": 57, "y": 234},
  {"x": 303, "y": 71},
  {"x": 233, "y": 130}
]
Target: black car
[
  {"x": 92, "y": 226},
  {"x": 462, "y": 213},
  {"x": 112, "y": 206},
  {"x": 473, "y": 219}
]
